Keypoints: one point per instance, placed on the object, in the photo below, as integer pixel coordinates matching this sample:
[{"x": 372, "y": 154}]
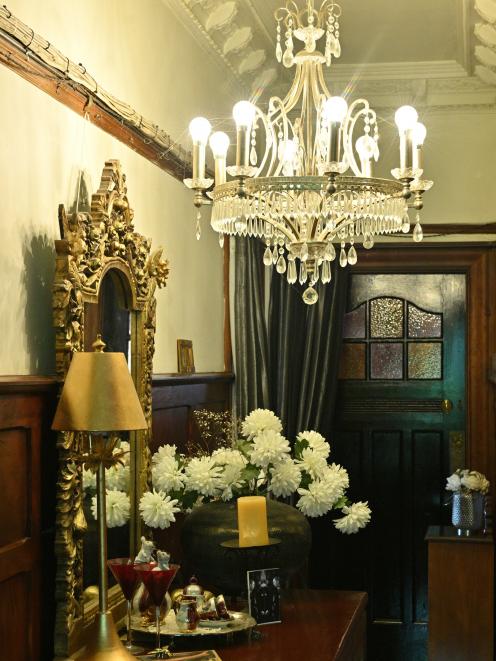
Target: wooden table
[{"x": 324, "y": 625}]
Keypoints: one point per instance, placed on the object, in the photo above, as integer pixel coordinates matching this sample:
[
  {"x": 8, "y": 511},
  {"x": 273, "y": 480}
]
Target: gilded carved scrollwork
[{"x": 92, "y": 244}]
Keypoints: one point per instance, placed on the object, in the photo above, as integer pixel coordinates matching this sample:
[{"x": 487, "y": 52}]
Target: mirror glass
[{"x": 111, "y": 318}]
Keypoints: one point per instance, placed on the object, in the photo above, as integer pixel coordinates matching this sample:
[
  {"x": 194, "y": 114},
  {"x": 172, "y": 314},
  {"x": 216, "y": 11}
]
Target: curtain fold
[
  {"x": 305, "y": 343},
  {"x": 251, "y": 355}
]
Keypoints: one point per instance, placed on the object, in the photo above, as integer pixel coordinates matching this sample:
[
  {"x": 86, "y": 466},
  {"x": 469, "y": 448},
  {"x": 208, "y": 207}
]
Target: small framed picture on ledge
[
  {"x": 185, "y": 358},
  {"x": 264, "y": 590}
]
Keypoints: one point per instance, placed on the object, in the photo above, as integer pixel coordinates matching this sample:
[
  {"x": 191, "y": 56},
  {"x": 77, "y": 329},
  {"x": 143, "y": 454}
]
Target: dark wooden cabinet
[{"x": 461, "y": 595}]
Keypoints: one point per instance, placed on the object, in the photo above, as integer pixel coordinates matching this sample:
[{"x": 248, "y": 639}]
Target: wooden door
[{"x": 399, "y": 429}]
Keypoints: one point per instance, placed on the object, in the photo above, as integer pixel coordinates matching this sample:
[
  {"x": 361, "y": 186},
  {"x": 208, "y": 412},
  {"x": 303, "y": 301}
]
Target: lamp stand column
[{"x": 104, "y": 643}]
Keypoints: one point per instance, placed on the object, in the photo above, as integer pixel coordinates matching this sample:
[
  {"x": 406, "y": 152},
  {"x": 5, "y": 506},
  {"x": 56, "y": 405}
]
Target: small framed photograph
[
  {"x": 264, "y": 594},
  {"x": 185, "y": 358}
]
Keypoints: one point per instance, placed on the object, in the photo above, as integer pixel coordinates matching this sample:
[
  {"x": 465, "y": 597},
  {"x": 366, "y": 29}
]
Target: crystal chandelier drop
[{"x": 303, "y": 179}]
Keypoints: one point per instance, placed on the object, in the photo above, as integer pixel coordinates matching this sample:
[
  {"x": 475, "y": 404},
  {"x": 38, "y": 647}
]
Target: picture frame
[
  {"x": 185, "y": 357},
  {"x": 264, "y": 595}
]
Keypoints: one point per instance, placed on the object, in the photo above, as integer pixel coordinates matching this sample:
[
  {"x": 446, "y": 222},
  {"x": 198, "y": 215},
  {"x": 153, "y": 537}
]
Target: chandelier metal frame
[{"x": 291, "y": 184}]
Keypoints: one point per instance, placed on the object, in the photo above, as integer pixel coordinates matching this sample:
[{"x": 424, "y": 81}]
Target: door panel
[{"x": 404, "y": 355}]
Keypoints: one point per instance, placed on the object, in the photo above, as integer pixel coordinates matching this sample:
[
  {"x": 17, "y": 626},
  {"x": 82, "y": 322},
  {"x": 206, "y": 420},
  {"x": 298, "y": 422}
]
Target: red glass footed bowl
[
  {"x": 124, "y": 571},
  {"x": 157, "y": 581}
]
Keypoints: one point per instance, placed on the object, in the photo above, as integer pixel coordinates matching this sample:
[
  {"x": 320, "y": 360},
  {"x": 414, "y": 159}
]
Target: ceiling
[{"x": 439, "y": 53}]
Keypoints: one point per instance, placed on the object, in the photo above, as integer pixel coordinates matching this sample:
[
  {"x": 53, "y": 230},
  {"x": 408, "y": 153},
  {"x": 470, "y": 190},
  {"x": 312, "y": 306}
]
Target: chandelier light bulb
[
  {"x": 366, "y": 147},
  {"x": 199, "y": 129},
  {"x": 405, "y": 117},
  {"x": 335, "y": 109},
  {"x": 244, "y": 114},
  {"x": 289, "y": 149},
  {"x": 219, "y": 144},
  {"x": 419, "y": 133}
]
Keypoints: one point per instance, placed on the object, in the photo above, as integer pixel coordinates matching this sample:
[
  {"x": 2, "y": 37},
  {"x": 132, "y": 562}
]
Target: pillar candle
[{"x": 252, "y": 521}]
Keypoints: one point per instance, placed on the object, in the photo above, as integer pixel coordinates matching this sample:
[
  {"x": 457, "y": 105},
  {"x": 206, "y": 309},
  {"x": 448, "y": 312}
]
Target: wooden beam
[
  {"x": 459, "y": 228},
  {"x": 72, "y": 86}
]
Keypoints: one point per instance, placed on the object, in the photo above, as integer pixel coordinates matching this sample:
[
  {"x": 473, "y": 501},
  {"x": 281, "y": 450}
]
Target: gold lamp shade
[{"x": 98, "y": 395}]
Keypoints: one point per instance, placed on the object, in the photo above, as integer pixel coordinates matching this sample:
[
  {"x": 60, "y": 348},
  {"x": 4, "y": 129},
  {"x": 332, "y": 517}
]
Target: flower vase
[
  {"x": 467, "y": 513},
  {"x": 211, "y": 524}
]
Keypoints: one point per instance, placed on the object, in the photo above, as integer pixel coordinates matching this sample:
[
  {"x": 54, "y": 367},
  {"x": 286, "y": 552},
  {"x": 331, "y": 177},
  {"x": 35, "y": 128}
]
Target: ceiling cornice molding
[{"x": 398, "y": 70}]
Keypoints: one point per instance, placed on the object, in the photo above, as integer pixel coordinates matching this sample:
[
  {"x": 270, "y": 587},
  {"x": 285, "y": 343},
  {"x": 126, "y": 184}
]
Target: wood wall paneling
[
  {"x": 26, "y": 519},
  {"x": 175, "y": 397}
]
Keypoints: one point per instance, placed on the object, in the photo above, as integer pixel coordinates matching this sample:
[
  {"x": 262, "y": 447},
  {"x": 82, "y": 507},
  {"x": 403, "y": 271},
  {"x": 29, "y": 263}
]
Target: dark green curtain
[
  {"x": 305, "y": 343},
  {"x": 250, "y": 336}
]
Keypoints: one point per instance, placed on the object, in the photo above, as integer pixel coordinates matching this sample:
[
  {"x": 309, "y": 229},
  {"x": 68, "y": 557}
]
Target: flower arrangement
[
  {"x": 260, "y": 462},
  {"x": 467, "y": 481},
  {"x": 118, "y": 505}
]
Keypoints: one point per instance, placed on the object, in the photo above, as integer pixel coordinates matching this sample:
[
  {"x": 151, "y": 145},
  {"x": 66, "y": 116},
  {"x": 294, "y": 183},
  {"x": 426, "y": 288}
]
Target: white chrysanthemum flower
[
  {"x": 356, "y": 516},
  {"x": 258, "y": 421},
  {"x": 167, "y": 475},
  {"x": 230, "y": 456},
  {"x": 164, "y": 451},
  {"x": 316, "y": 500},
  {"x": 453, "y": 483},
  {"x": 313, "y": 463},
  {"x": 118, "y": 508},
  {"x": 475, "y": 481},
  {"x": 269, "y": 447},
  {"x": 89, "y": 480},
  {"x": 125, "y": 447},
  {"x": 117, "y": 478},
  {"x": 337, "y": 481},
  {"x": 285, "y": 478},
  {"x": 316, "y": 442},
  {"x": 157, "y": 510},
  {"x": 230, "y": 479},
  {"x": 202, "y": 475}
]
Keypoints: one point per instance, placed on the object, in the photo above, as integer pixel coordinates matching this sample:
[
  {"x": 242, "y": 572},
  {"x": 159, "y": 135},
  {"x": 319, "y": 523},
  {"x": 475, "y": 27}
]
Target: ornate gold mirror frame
[{"x": 91, "y": 245}]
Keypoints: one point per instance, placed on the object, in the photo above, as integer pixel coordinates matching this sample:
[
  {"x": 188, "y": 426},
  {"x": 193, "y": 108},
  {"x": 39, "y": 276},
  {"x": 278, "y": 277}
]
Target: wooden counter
[
  {"x": 461, "y": 602},
  {"x": 324, "y": 625}
]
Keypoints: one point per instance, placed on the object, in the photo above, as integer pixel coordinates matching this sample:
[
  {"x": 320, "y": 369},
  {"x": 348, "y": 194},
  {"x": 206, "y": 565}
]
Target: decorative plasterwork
[
  {"x": 238, "y": 34},
  {"x": 485, "y": 33}
]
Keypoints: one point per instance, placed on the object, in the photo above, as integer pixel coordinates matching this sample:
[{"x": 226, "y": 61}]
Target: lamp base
[{"x": 104, "y": 643}]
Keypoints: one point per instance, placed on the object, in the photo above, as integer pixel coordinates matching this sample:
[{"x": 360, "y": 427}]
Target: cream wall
[{"x": 140, "y": 53}]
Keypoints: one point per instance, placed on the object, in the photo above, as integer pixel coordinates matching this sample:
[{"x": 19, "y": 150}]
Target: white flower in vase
[
  {"x": 285, "y": 478},
  {"x": 124, "y": 447},
  {"x": 260, "y": 420},
  {"x": 117, "y": 478},
  {"x": 337, "y": 480},
  {"x": 313, "y": 463},
  {"x": 118, "y": 508},
  {"x": 224, "y": 456},
  {"x": 202, "y": 475},
  {"x": 164, "y": 451},
  {"x": 315, "y": 500},
  {"x": 357, "y": 516},
  {"x": 269, "y": 447},
  {"x": 157, "y": 510},
  {"x": 167, "y": 475},
  {"x": 316, "y": 442},
  {"x": 89, "y": 480},
  {"x": 453, "y": 483},
  {"x": 230, "y": 479}
]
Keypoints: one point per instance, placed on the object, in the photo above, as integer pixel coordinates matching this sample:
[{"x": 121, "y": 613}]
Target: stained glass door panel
[{"x": 403, "y": 354}]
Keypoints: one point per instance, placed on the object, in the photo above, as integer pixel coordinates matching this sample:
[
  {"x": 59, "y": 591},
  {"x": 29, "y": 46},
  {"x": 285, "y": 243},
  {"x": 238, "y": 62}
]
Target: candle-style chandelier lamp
[{"x": 303, "y": 179}]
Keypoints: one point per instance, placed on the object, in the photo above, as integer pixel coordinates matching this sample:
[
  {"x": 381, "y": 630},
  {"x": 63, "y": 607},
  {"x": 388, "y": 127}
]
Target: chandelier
[{"x": 303, "y": 177}]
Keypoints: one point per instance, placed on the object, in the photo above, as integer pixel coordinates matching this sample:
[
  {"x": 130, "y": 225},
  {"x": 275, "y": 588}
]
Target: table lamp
[{"x": 99, "y": 397}]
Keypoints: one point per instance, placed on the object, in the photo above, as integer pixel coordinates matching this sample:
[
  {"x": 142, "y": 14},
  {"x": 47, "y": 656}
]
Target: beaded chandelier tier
[{"x": 303, "y": 179}]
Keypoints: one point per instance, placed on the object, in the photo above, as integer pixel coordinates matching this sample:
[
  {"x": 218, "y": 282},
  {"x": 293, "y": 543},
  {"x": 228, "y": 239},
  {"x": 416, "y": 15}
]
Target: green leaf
[
  {"x": 250, "y": 472},
  {"x": 342, "y": 502},
  {"x": 299, "y": 446},
  {"x": 306, "y": 480}
]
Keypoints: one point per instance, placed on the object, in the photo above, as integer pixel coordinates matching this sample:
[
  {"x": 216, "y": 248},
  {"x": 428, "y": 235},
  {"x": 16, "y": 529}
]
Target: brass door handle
[{"x": 446, "y": 406}]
